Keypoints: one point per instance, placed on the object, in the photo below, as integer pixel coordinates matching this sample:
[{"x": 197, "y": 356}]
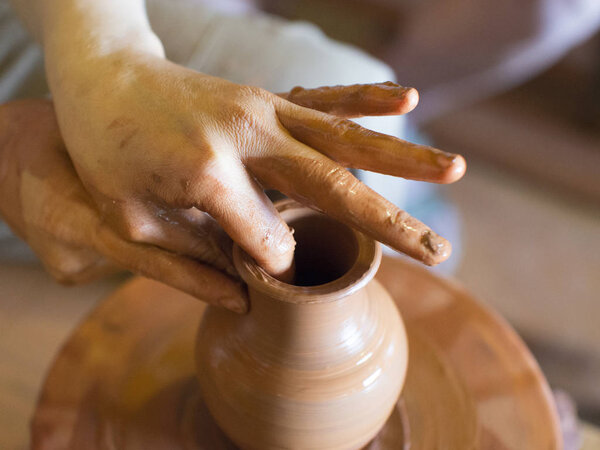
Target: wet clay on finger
[
  {"x": 318, "y": 364},
  {"x": 358, "y": 100}
]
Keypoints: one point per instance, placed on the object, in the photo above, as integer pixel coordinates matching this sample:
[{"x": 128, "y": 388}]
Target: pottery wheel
[{"x": 125, "y": 379}]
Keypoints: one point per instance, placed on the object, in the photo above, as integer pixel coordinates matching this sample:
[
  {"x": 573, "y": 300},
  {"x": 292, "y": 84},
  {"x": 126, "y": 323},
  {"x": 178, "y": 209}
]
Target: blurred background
[
  {"x": 514, "y": 86},
  {"x": 530, "y": 202}
]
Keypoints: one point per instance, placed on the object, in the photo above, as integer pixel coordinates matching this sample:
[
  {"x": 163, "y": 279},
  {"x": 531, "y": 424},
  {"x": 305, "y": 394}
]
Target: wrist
[
  {"x": 80, "y": 69},
  {"x": 83, "y": 39}
]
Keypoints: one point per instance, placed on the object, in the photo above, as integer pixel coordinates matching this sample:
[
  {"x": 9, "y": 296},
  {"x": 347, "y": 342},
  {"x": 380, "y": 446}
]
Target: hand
[
  {"x": 45, "y": 203},
  {"x": 160, "y": 148}
]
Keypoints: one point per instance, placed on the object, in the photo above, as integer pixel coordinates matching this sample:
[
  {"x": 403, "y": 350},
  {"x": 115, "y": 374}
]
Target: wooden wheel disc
[{"x": 125, "y": 379}]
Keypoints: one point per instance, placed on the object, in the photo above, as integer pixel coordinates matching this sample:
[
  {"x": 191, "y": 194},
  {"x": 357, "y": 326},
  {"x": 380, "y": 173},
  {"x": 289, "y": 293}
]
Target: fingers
[
  {"x": 124, "y": 248},
  {"x": 354, "y": 146},
  {"x": 243, "y": 210},
  {"x": 316, "y": 181},
  {"x": 180, "y": 272},
  {"x": 195, "y": 234},
  {"x": 190, "y": 233},
  {"x": 76, "y": 248},
  {"x": 377, "y": 99},
  {"x": 68, "y": 264}
]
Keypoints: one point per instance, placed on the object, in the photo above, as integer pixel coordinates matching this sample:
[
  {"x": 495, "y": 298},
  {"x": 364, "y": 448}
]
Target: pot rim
[{"x": 360, "y": 273}]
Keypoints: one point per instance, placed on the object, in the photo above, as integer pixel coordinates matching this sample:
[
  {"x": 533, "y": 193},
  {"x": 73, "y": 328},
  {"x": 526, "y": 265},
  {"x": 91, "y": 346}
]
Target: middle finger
[{"x": 354, "y": 146}]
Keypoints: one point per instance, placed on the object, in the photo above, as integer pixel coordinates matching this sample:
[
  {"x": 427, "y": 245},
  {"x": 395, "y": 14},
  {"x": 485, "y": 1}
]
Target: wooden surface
[
  {"x": 124, "y": 373},
  {"x": 534, "y": 257},
  {"x": 36, "y": 316}
]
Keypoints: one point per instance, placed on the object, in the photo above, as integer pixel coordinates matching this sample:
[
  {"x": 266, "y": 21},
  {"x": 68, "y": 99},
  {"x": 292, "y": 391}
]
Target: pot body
[
  {"x": 310, "y": 376},
  {"x": 316, "y": 365}
]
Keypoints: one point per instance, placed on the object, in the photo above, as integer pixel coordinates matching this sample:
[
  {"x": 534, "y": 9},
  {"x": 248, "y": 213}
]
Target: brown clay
[
  {"x": 358, "y": 100},
  {"x": 348, "y": 200},
  {"x": 316, "y": 365}
]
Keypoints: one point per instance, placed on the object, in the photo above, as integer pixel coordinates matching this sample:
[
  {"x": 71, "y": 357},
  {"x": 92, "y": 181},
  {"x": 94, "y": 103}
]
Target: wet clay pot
[{"x": 314, "y": 365}]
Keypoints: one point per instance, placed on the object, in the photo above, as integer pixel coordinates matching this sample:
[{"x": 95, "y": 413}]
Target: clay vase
[{"x": 315, "y": 365}]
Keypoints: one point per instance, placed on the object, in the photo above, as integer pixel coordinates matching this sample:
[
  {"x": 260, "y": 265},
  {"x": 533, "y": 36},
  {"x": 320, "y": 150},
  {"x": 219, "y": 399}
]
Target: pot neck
[
  {"x": 305, "y": 316},
  {"x": 341, "y": 259}
]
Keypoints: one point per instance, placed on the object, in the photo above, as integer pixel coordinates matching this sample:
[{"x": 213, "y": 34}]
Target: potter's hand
[
  {"x": 45, "y": 203},
  {"x": 160, "y": 147}
]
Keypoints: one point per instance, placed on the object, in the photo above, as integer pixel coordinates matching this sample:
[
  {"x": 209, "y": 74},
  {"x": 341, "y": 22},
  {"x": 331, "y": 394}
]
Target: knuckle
[
  {"x": 136, "y": 231},
  {"x": 66, "y": 269},
  {"x": 344, "y": 126},
  {"x": 134, "y": 228},
  {"x": 242, "y": 119},
  {"x": 65, "y": 278},
  {"x": 250, "y": 106},
  {"x": 252, "y": 92},
  {"x": 129, "y": 219}
]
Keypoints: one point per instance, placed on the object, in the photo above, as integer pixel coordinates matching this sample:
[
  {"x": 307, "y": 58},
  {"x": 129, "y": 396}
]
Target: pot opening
[
  {"x": 331, "y": 259},
  {"x": 325, "y": 249}
]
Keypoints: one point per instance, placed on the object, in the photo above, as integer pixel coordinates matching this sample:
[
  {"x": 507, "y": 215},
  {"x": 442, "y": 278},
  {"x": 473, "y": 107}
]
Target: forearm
[{"x": 74, "y": 33}]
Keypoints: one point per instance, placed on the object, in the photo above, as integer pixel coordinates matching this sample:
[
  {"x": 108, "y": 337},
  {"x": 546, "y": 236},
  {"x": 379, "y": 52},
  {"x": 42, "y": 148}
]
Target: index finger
[{"x": 315, "y": 181}]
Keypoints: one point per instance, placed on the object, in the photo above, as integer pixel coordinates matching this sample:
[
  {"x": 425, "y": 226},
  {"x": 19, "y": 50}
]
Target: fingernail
[
  {"x": 285, "y": 242},
  {"x": 455, "y": 168},
  {"x": 280, "y": 258},
  {"x": 411, "y": 98},
  {"x": 235, "y": 304}
]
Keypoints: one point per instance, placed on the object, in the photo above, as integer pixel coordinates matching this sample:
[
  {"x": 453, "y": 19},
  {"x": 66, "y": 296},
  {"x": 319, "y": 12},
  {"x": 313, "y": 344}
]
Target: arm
[
  {"x": 88, "y": 26},
  {"x": 75, "y": 34}
]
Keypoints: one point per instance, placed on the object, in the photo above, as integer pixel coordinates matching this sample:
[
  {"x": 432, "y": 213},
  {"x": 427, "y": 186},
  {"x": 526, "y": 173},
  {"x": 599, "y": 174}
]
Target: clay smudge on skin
[
  {"x": 340, "y": 195},
  {"x": 124, "y": 123},
  {"x": 128, "y": 137},
  {"x": 353, "y": 146},
  {"x": 356, "y": 100},
  {"x": 436, "y": 244}
]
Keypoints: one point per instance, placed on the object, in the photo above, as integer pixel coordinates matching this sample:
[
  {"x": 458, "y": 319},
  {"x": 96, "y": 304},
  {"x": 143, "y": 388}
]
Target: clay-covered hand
[
  {"x": 45, "y": 203},
  {"x": 161, "y": 148}
]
